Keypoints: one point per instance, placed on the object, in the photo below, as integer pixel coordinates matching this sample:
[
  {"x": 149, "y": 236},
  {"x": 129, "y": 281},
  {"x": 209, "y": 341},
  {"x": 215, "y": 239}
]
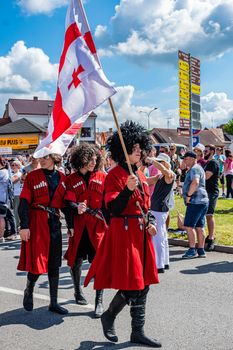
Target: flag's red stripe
[
  {"x": 61, "y": 121},
  {"x": 75, "y": 128},
  {"x": 90, "y": 43},
  {"x": 72, "y": 33}
]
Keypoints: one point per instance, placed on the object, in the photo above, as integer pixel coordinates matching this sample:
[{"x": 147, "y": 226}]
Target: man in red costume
[
  {"x": 125, "y": 259},
  {"x": 86, "y": 225},
  {"x": 41, "y": 250}
]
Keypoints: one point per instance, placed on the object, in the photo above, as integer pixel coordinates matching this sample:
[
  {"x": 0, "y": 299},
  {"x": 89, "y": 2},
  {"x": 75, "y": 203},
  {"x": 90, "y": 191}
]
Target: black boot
[
  {"x": 108, "y": 317},
  {"x": 99, "y": 309},
  {"x": 76, "y": 272},
  {"x": 137, "y": 312},
  {"x": 28, "y": 296},
  {"x": 53, "y": 289}
]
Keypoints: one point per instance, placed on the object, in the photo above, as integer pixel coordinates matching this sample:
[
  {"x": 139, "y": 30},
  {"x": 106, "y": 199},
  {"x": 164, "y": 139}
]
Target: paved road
[{"x": 192, "y": 308}]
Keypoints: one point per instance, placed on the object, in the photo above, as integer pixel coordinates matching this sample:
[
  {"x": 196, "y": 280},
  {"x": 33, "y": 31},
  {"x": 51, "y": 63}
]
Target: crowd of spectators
[{"x": 195, "y": 176}]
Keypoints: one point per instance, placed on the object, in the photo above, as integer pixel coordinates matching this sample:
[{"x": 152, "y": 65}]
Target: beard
[{"x": 206, "y": 157}]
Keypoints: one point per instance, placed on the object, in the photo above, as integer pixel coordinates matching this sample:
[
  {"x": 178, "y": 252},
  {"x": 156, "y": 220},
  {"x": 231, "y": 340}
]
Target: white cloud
[
  {"x": 33, "y": 7},
  {"x": 217, "y": 109},
  {"x": 155, "y": 30},
  {"x": 14, "y": 83},
  {"x": 24, "y": 69},
  {"x": 126, "y": 110},
  {"x": 100, "y": 31}
]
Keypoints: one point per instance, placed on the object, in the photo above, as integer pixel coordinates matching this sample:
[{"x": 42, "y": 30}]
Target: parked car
[{"x": 179, "y": 146}]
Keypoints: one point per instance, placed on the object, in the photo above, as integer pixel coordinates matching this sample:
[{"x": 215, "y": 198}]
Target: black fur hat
[{"x": 132, "y": 133}]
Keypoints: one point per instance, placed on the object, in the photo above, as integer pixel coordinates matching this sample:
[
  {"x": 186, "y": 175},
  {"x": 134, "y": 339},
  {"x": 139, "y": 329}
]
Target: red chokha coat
[
  {"x": 78, "y": 191},
  {"x": 34, "y": 254},
  {"x": 125, "y": 259}
]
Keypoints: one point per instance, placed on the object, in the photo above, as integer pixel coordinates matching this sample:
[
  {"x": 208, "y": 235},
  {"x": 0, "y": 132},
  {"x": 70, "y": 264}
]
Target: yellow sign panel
[
  {"x": 184, "y": 94},
  {"x": 184, "y": 104},
  {"x": 184, "y": 75},
  {"x": 18, "y": 142},
  {"x": 184, "y": 113},
  {"x": 184, "y": 84},
  {"x": 196, "y": 89},
  {"x": 184, "y": 66}
]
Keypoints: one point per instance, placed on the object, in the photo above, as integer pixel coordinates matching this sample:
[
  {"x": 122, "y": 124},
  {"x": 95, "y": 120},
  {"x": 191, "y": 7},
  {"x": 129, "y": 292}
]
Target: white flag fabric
[
  {"x": 82, "y": 85},
  {"x": 61, "y": 144}
]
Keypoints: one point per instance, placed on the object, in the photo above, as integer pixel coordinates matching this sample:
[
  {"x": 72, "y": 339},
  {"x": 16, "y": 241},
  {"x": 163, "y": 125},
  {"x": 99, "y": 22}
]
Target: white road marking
[{"x": 42, "y": 297}]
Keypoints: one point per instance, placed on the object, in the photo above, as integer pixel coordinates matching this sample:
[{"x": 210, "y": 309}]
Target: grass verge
[{"x": 223, "y": 218}]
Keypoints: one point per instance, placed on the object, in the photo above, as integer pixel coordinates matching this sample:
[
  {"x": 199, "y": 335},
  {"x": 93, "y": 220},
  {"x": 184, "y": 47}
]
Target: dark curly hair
[
  {"x": 99, "y": 158},
  {"x": 132, "y": 133},
  {"x": 82, "y": 154}
]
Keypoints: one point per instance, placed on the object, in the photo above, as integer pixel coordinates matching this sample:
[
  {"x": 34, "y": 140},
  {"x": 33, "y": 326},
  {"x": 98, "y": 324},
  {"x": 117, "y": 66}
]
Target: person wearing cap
[
  {"x": 41, "y": 199},
  {"x": 199, "y": 150},
  {"x": 85, "y": 190},
  {"x": 196, "y": 201},
  {"x": 125, "y": 259},
  {"x": 212, "y": 176},
  {"x": 163, "y": 183}
]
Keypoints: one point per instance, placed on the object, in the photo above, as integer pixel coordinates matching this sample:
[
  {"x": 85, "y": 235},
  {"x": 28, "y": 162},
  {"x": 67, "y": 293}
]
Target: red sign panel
[
  {"x": 183, "y": 56},
  {"x": 195, "y": 71},
  {"x": 184, "y": 123},
  {"x": 195, "y": 80},
  {"x": 183, "y": 131},
  {"x": 195, "y": 62}
]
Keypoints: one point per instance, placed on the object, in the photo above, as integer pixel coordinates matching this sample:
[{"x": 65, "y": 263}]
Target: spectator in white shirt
[{"x": 17, "y": 186}]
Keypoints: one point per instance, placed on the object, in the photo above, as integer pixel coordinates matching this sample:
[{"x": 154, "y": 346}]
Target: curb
[{"x": 217, "y": 248}]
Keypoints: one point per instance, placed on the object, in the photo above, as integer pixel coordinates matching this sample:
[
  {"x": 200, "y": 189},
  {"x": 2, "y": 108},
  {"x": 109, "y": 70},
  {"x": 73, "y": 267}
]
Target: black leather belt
[
  {"x": 50, "y": 210},
  {"x": 130, "y": 216}
]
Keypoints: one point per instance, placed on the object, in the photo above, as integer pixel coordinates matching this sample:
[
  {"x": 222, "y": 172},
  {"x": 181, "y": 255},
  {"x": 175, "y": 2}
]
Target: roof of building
[
  {"x": 4, "y": 121},
  {"x": 209, "y": 136},
  {"x": 33, "y": 107},
  {"x": 229, "y": 137},
  {"x": 21, "y": 126}
]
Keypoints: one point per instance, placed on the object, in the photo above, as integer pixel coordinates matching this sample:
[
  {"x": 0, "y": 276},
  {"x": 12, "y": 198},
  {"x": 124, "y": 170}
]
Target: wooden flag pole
[{"x": 121, "y": 137}]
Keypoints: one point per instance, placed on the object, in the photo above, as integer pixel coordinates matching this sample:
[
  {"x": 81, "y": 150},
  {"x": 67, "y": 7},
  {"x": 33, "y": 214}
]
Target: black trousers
[
  {"x": 51, "y": 273},
  {"x": 229, "y": 181},
  {"x": 85, "y": 251},
  {"x": 10, "y": 223}
]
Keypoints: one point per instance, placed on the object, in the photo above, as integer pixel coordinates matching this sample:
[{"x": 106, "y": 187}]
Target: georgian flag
[{"x": 82, "y": 85}]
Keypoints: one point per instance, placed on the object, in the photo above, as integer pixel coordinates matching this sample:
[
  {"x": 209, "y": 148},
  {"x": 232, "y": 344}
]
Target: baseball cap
[{"x": 190, "y": 154}]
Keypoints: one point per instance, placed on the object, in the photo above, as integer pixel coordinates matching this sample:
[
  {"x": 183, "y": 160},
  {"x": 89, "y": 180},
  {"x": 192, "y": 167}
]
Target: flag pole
[
  {"x": 120, "y": 136},
  {"x": 109, "y": 99}
]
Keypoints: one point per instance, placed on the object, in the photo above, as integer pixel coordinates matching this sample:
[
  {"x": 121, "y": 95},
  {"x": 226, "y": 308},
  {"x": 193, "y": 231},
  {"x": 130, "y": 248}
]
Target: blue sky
[{"x": 137, "y": 41}]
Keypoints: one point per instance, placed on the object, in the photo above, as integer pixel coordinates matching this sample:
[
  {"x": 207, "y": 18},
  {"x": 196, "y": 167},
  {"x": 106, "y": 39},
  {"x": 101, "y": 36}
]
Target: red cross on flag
[{"x": 82, "y": 85}]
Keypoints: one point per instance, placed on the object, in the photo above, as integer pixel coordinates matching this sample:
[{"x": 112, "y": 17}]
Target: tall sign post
[{"x": 189, "y": 94}]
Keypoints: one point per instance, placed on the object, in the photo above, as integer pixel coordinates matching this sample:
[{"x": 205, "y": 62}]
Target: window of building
[{"x": 86, "y": 132}]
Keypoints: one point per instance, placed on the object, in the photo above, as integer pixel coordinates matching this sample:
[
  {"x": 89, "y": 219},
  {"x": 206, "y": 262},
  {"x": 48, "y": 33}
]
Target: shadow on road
[
  {"x": 91, "y": 345},
  {"x": 38, "y": 319},
  {"x": 11, "y": 245},
  {"x": 176, "y": 252},
  {"x": 218, "y": 267}
]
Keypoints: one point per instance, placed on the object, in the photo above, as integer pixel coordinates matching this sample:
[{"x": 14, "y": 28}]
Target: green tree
[{"x": 229, "y": 127}]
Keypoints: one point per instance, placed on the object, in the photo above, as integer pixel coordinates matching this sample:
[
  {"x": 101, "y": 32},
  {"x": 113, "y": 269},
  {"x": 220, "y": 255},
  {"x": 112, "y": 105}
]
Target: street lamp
[{"x": 148, "y": 116}]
